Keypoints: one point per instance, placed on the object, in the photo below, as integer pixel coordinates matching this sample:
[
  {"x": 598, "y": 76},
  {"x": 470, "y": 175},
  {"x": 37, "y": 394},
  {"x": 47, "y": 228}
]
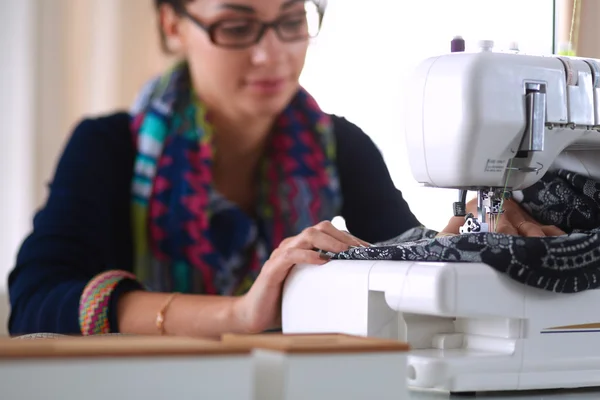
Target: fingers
[
  {"x": 528, "y": 226},
  {"x": 360, "y": 241},
  {"x": 506, "y": 228},
  {"x": 342, "y": 236},
  {"x": 294, "y": 255},
  {"x": 513, "y": 214},
  {"x": 506, "y": 225},
  {"x": 323, "y": 236},
  {"x": 551, "y": 230},
  {"x": 472, "y": 206},
  {"x": 530, "y": 229},
  {"x": 517, "y": 222},
  {"x": 313, "y": 238},
  {"x": 533, "y": 229},
  {"x": 275, "y": 271}
]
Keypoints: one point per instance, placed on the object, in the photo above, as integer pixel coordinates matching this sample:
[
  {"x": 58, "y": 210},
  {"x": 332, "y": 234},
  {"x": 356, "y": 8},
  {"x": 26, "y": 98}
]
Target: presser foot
[
  {"x": 489, "y": 210},
  {"x": 472, "y": 225}
]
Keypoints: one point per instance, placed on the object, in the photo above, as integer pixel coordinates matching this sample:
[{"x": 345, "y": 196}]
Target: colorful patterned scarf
[{"x": 172, "y": 188}]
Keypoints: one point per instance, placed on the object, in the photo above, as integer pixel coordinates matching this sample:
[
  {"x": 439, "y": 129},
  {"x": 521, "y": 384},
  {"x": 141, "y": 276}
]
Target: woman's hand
[
  {"x": 514, "y": 221},
  {"x": 260, "y": 308}
]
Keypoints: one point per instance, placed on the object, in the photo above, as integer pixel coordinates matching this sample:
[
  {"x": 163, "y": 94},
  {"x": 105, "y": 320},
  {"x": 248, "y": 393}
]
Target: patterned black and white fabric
[{"x": 564, "y": 264}]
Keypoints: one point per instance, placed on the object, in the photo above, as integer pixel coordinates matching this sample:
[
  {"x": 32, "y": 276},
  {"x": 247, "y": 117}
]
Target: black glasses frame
[{"x": 211, "y": 29}]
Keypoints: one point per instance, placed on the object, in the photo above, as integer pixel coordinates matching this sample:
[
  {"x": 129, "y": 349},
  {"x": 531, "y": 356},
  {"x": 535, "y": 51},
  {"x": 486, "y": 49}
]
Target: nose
[{"x": 268, "y": 50}]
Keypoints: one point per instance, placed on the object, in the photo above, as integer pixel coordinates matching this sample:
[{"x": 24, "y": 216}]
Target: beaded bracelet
[{"x": 95, "y": 302}]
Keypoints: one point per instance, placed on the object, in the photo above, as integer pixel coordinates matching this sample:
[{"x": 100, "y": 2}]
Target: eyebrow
[{"x": 248, "y": 9}]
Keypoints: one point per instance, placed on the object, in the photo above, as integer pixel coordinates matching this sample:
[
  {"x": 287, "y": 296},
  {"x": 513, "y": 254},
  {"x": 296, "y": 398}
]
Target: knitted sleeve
[{"x": 64, "y": 279}]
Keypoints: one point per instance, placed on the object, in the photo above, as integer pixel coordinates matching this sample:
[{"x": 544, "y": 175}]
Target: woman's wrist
[
  {"x": 186, "y": 315},
  {"x": 223, "y": 314},
  {"x": 236, "y": 315}
]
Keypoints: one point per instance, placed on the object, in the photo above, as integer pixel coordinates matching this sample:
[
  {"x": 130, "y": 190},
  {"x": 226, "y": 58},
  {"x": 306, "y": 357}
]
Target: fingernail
[
  {"x": 325, "y": 255},
  {"x": 358, "y": 246}
]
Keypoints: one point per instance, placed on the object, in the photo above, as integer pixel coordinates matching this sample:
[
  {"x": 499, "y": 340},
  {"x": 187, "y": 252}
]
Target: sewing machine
[{"x": 492, "y": 123}]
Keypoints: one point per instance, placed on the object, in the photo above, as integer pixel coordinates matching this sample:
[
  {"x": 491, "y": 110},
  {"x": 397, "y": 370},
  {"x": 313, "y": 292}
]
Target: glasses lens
[
  {"x": 240, "y": 32},
  {"x": 302, "y": 24}
]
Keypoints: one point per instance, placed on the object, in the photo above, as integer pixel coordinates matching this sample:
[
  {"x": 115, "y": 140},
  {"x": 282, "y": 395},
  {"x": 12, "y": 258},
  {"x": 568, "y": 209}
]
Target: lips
[{"x": 267, "y": 85}]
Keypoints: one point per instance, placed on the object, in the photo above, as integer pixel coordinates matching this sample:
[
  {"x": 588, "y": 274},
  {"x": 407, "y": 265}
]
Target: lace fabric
[{"x": 563, "y": 264}]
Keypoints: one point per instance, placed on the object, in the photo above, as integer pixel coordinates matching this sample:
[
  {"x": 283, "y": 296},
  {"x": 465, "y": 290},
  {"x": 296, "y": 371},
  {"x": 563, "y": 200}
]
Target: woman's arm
[
  {"x": 373, "y": 208},
  {"x": 186, "y": 315},
  {"x": 83, "y": 231}
]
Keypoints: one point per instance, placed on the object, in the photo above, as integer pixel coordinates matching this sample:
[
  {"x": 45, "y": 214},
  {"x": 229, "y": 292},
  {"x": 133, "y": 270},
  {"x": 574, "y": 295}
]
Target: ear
[{"x": 170, "y": 25}]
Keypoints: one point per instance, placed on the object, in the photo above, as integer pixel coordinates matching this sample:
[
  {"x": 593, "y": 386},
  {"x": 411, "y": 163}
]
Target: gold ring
[{"x": 520, "y": 224}]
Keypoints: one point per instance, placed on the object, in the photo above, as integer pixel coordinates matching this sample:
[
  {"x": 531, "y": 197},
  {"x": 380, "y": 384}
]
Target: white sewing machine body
[
  {"x": 475, "y": 121},
  {"x": 470, "y": 114},
  {"x": 469, "y": 327}
]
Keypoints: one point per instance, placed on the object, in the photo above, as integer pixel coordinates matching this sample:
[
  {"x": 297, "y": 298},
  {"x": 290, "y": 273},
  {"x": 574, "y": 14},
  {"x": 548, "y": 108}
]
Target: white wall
[
  {"x": 17, "y": 127},
  {"x": 359, "y": 63},
  {"x": 60, "y": 61}
]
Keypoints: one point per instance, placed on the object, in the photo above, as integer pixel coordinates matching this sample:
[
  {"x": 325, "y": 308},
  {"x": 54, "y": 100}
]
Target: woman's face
[{"x": 232, "y": 71}]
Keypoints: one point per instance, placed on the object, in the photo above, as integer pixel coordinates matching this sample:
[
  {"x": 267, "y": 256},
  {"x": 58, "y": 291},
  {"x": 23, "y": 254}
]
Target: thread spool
[
  {"x": 457, "y": 45},
  {"x": 486, "y": 45},
  {"x": 566, "y": 49}
]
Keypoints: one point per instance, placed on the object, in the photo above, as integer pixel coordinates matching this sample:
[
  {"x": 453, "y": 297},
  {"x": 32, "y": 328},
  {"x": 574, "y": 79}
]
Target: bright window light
[{"x": 357, "y": 67}]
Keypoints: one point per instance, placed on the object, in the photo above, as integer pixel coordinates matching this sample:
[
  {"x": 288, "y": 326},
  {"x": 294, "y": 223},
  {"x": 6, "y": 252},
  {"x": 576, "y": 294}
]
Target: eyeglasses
[{"x": 239, "y": 33}]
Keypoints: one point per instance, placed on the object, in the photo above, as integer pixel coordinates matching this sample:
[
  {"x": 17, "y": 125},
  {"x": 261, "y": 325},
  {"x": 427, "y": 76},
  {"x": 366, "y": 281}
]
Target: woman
[{"x": 228, "y": 173}]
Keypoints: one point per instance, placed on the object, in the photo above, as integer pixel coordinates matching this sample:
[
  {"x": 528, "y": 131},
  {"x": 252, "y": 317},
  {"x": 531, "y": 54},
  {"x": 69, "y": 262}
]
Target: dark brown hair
[
  {"x": 177, "y": 5},
  {"x": 174, "y": 3}
]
